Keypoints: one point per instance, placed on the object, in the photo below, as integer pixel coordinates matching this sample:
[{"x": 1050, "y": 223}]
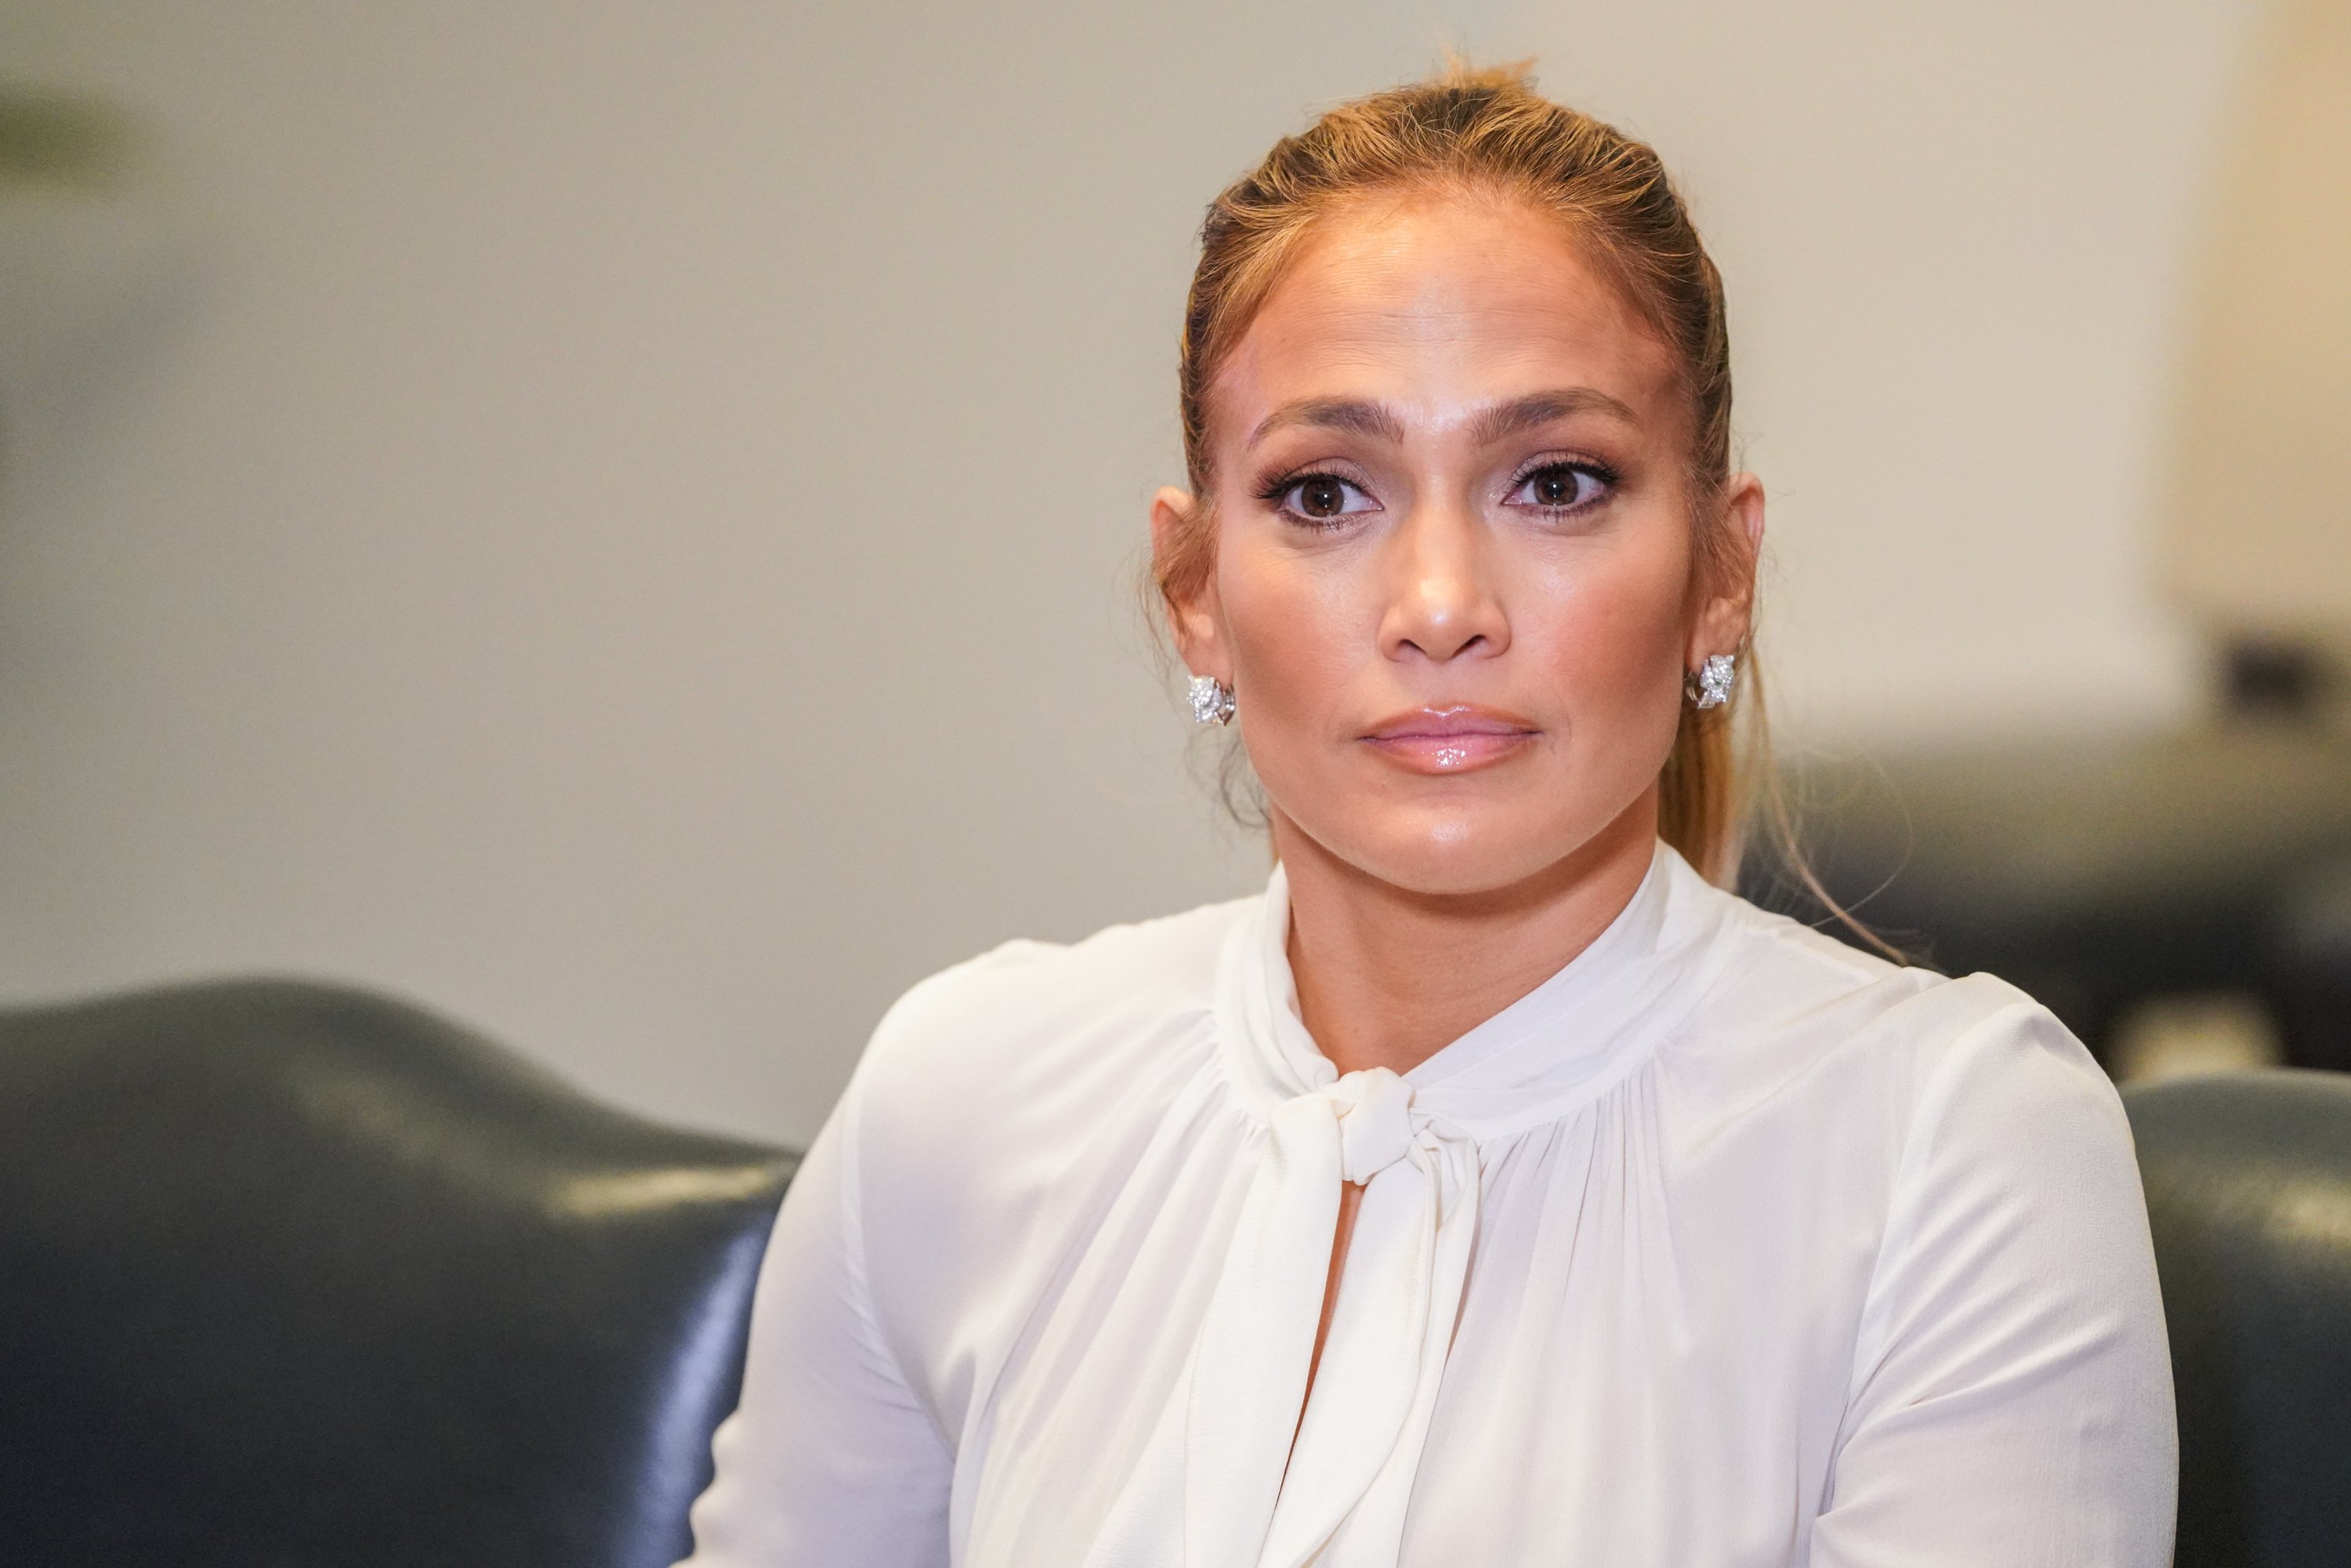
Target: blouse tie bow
[
  {"x": 1233, "y": 1476},
  {"x": 1375, "y": 1111}
]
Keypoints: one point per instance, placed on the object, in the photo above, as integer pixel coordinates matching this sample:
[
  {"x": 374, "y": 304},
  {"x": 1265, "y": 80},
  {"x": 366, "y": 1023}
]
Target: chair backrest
[
  {"x": 296, "y": 1275},
  {"x": 2248, "y": 1183}
]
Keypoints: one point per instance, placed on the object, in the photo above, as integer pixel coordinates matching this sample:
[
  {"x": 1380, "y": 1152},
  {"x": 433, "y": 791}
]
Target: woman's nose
[{"x": 1441, "y": 602}]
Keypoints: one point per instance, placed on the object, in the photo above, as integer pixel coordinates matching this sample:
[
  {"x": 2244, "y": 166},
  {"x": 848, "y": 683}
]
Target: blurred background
[{"x": 622, "y": 522}]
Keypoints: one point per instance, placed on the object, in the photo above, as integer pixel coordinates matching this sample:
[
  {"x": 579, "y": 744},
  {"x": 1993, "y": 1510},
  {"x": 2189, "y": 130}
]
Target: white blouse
[{"x": 1726, "y": 1246}]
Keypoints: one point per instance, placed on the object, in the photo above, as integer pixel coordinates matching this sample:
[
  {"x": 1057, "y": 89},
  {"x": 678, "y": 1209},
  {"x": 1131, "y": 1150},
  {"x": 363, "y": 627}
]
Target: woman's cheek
[
  {"x": 1591, "y": 627},
  {"x": 1290, "y": 626},
  {"x": 1277, "y": 656}
]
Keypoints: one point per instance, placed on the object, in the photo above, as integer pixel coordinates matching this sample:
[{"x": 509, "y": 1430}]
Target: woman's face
[{"x": 1454, "y": 586}]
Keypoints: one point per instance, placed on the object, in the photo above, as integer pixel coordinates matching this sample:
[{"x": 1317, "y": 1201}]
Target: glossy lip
[{"x": 1458, "y": 738}]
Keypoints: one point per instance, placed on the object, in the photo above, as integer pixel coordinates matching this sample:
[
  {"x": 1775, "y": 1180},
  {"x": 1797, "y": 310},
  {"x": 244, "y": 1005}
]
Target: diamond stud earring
[
  {"x": 1711, "y": 687},
  {"x": 1212, "y": 700}
]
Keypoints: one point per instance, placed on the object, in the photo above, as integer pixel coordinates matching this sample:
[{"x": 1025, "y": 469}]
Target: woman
[{"x": 1492, "y": 1189}]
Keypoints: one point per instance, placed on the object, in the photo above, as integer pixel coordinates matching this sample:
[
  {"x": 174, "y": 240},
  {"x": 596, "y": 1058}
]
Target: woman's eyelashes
[
  {"x": 1554, "y": 488},
  {"x": 1560, "y": 487},
  {"x": 1318, "y": 499}
]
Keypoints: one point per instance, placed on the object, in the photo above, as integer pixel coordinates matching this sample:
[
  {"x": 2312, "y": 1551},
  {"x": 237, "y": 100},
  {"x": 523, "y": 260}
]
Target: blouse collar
[{"x": 1556, "y": 1049}]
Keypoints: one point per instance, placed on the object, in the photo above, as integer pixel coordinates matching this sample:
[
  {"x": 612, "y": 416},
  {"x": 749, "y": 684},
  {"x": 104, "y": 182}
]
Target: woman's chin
[{"x": 1451, "y": 856}]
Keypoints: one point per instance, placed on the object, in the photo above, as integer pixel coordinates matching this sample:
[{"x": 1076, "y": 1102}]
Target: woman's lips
[{"x": 1450, "y": 739}]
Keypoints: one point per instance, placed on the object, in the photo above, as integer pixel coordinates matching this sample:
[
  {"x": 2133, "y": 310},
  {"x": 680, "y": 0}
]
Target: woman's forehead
[{"x": 1437, "y": 304}]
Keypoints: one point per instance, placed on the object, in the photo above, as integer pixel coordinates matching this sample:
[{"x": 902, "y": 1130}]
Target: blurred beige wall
[
  {"x": 2259, "y": 537},
  {"x": 619, "y": 520}
]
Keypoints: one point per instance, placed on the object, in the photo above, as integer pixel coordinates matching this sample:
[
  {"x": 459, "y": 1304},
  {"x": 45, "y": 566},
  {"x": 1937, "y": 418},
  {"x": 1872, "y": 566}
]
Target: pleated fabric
[
  {"x": 1222, "y": 1481},
  {"x": 1726, "y": 1245},
  {"x": 1234, "y": 1474}
]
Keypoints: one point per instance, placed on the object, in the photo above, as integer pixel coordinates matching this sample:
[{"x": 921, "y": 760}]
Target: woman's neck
[{"x": 1388, "y": 977}]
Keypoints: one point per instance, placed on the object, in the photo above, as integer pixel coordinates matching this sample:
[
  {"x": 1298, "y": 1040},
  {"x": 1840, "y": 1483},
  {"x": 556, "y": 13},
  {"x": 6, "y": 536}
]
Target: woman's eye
[
  {"x": 1321, "y": 497},
  {"x": 1558, "y": 486}
]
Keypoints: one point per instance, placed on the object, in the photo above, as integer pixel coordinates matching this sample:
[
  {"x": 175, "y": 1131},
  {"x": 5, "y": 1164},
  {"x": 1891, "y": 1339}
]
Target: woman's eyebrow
[
  {"x": 1523, "y": 414},
  {"x": 1363, "y": 417},
  {"x": 1491, "y": 423}
]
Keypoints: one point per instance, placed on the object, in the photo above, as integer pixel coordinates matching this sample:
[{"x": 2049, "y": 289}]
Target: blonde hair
[{"x": 1489, "y": 131}]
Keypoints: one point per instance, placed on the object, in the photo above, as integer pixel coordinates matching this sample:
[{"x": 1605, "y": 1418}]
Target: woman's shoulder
[
  {"x": 1028, "y": 988},
  {"x": 988, "y": 1113},
  {"x": 1059, "y": 1022},
  {"x": 1945, "y": 1105},
  {"x": 1791, "y": 1001}
]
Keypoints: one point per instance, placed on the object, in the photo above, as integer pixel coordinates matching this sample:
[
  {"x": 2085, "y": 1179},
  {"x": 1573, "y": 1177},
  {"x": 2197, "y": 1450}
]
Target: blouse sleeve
[
  {"x": 831, "y": 1457},
  {"x": 2011, "y": 1395}
]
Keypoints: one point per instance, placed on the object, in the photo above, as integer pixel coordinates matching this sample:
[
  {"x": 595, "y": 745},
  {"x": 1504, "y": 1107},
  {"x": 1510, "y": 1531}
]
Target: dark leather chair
[
  {"x": 2248, "y": 1183},
  {"x": 294, "y": 1275},
  {"x": 2098, "y": 873}
]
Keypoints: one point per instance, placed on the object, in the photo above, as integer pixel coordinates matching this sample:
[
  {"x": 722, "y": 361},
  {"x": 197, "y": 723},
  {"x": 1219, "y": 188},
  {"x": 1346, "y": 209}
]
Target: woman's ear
[
  {"x": 1724, "y": 617},
  {"x": 1180, "y": 556}
]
